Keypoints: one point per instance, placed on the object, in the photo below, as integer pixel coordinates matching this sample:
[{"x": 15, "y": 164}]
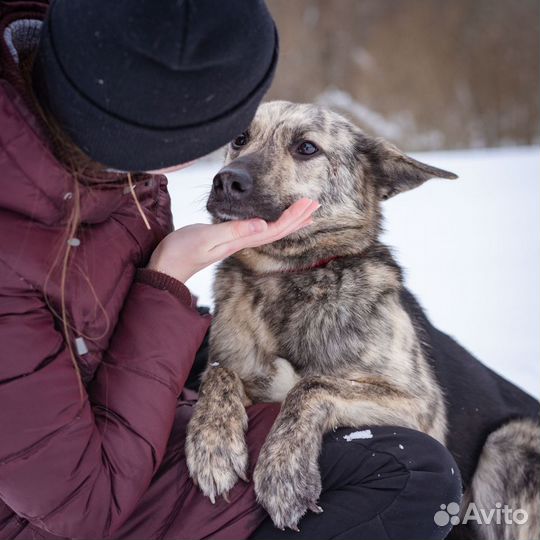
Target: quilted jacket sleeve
[{"x": 78, "y": 467}]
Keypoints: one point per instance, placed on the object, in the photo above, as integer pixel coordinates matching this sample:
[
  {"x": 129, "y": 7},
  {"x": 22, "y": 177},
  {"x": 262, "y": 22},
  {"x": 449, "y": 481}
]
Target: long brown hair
[{"x": 81, "y": 167}]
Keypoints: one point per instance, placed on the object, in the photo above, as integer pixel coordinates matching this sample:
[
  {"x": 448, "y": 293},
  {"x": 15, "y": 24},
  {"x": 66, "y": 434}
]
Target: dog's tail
[{"x": 506, "y": 484}]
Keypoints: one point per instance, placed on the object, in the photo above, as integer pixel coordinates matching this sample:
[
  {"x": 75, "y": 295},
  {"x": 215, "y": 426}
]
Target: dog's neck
[
  {"x": 317, "y": 264},
  {"x": 306, "y": 251},
  {"x": 264, "y": 262}
]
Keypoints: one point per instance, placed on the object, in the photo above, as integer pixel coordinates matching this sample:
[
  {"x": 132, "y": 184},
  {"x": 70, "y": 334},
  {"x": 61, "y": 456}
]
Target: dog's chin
[{"x": 221, "y": 214}]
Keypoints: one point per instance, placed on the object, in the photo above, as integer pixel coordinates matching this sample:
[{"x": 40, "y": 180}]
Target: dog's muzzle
[
  {"x": 232, "y": 184},
  {"x": 234, "y": 194}
]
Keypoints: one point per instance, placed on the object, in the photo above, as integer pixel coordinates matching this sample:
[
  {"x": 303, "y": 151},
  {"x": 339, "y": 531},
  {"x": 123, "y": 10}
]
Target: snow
[
  {"x": 364, "y": 434},
  {"x": 470, "y": 249},
  {"x": 401, "y": 447}
]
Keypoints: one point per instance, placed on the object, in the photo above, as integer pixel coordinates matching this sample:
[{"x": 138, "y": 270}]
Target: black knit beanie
[{"x": 145, "y": 84}]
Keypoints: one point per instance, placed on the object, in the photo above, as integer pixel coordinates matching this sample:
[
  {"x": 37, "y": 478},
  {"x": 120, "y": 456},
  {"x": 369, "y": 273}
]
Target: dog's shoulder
[
  {"x": 381, "y": 254},
  {"x": 372, "y": 273}
]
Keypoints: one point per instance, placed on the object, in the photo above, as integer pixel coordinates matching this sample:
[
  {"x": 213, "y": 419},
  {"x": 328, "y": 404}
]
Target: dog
[{"x": 321, "y": 322}]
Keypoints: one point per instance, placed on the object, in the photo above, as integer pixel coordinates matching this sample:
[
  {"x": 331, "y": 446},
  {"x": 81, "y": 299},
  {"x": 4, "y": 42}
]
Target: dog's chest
[
  {"x": 299, "y": 318},
  {"x": 344, "y": 322}
]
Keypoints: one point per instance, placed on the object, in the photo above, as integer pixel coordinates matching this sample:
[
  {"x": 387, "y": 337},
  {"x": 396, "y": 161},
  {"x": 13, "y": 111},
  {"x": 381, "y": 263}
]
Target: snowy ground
[{"x": 470, "y": 249}]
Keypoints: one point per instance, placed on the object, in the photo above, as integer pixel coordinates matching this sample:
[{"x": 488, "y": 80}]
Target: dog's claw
[
  {"x": 212, "y": 499},
  {"x": 243, "y": 476},
  {"x": 316, "y": 508},
  {"x": 226, "y": 497},
  {"x": 295, "y": 528}
]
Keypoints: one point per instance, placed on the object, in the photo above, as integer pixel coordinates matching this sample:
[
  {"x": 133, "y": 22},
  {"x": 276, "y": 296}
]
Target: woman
[{"x": 98, "y": 331}]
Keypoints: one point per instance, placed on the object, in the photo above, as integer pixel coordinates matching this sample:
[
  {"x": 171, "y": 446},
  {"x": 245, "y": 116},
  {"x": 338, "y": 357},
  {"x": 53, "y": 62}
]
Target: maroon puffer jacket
[{"x": 111, "y": 464}]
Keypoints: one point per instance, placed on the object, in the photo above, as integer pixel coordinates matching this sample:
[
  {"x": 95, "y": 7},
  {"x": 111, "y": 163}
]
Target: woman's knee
[
  {"x": 379, "y": 482},
  {"x": 413, "y": 449},
  {"x": 416, "y": 450},
  {"x": 434, "y": 482},
  {"x": 402, "y": 474}
]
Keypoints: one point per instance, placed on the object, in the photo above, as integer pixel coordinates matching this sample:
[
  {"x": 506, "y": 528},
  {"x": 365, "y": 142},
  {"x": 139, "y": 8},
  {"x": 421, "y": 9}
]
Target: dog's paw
[
  {"x": 287, "y": 482},
  {"x": 216, "y": 450}
]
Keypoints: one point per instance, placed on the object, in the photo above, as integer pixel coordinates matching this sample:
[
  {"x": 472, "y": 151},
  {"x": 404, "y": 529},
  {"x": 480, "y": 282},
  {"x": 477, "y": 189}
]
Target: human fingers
[{"x": 295, "y": 217}]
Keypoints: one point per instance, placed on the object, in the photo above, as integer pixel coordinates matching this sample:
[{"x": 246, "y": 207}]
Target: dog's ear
[{"x": 396, "y": 172}]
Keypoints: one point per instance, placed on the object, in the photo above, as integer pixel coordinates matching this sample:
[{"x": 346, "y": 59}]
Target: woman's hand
[{"x": 186, "y": 251}]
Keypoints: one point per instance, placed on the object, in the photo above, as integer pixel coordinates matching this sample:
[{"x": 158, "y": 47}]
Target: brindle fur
[
  {"x": 509, "y": 472},
  {"x": 333, "y": 343}
]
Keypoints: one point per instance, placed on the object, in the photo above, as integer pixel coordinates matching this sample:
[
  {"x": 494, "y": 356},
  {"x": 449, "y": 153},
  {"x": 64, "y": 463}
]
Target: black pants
[{"x": 386, "y": 487}]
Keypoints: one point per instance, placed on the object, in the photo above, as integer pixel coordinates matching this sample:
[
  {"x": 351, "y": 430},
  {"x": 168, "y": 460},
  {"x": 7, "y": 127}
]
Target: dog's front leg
[
  {"x": 216, "y": 450},
  {"x": 287, "y": 478}
]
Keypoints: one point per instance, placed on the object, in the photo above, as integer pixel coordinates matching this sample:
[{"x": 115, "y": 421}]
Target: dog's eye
[
  {"x": 306, "y": 148},
  {"x": 241, "y": 140}
]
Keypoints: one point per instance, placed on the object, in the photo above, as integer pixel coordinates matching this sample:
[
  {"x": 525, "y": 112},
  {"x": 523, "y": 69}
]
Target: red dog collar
[{"x": 319, "y": 264}]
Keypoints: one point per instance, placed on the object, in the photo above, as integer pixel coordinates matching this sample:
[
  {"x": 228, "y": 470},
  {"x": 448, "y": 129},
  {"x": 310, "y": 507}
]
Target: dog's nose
[{"x": 232, "y": 184}]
